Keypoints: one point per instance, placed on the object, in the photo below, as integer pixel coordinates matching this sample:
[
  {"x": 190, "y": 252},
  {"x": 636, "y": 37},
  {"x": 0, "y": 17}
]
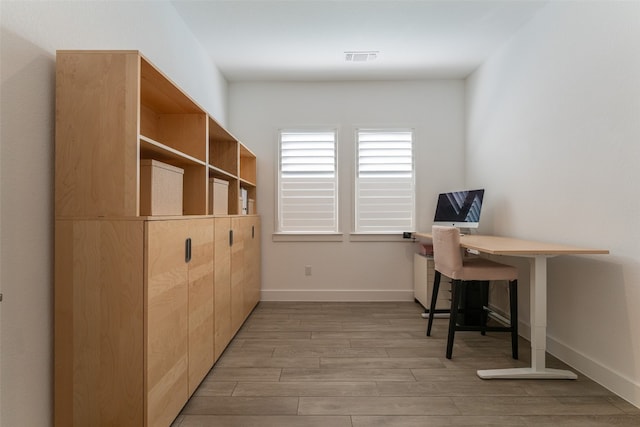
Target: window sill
[
  {"x": 307, "y": 237},
  {"x": 378, "y": 237},
  {"x": 339, "y": 237}
]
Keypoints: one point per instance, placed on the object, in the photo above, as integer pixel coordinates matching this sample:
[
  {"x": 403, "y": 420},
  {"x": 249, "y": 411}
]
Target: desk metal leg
[{"x": 538, "y": 292}]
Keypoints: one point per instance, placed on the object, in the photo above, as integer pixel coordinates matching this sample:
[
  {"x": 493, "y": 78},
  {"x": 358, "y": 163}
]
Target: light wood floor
[{"x": 370, "y": 364}]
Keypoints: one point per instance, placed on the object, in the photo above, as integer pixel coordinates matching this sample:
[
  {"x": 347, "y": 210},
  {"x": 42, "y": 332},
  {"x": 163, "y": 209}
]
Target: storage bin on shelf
[
  {"x": 160, "y": 188},
  {"x": 218, "y": 196}
]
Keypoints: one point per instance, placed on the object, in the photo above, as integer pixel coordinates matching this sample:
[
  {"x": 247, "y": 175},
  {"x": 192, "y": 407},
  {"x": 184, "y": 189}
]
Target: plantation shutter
[
  {"x": 307, "y": 187},
  {"x": 385, "y": 190}
]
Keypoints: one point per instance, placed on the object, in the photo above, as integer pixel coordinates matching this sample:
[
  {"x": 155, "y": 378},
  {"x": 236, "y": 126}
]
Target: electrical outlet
[{"x": 307, "y": 270}]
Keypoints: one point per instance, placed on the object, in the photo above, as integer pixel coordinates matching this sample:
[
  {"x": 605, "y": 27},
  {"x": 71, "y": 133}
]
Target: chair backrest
[{"x": 447, "y": 256}]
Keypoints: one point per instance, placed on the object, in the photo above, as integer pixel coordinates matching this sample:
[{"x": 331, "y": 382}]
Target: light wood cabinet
[
  {"x": 245, "y": 264},
  {"x": 179, "y": 256},
  {"x": 251, "y": 262},
  {"x": 114, "y": 108},
  {"x": 237, "y": 274},
  {"x": 201, "y": 300},
  {"x": 134, "y": 319},
  {"x": 117, "y": 108},
  {"x": 167, "y": 320},
  {"x": 99, "y": 333},
  {"x": 222, "y": 285},
  {"x": 143, "y": 304},
  {"x": 234, "y": 163},
  {"x": 238, "y": 270}
]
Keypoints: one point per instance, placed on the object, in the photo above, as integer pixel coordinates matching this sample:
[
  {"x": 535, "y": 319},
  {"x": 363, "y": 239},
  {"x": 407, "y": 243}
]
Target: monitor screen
[{"x": 459, "y": 208}]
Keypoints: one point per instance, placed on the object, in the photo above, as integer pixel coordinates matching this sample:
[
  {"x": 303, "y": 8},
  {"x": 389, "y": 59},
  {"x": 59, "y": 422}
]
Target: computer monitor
[{"x": 459, "y": 208}]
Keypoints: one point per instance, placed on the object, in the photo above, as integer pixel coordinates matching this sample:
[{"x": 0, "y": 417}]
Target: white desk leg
[{"x": 538, "y": 298}]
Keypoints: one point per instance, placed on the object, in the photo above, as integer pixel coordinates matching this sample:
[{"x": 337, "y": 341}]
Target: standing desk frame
[{"x": 537, "y": 253}]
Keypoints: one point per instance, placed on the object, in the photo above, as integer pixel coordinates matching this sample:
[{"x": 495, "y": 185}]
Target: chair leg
[
  {"x": 513, "y": 305},
  {"x": 455, "y": 302},
  {"x": 484, "y": 301},
  {"x": 434, "y": 297}
]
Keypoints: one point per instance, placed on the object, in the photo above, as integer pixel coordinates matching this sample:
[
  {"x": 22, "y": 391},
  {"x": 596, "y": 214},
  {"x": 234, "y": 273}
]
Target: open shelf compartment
[
  {"x": 169, "y": 116},
  {"x": 223, "y": 149}
]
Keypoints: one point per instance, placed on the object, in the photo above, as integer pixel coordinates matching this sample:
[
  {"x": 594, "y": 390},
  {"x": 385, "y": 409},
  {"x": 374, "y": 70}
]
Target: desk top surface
[{"x": 511, "y": 246}]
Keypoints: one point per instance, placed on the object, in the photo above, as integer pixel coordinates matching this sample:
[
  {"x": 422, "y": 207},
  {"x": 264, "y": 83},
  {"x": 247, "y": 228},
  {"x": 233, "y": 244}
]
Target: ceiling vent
[{"x": 361, "y": 56}]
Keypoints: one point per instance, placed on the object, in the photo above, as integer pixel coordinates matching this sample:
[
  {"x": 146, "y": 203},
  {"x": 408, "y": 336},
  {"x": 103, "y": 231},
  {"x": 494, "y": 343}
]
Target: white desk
[{"x": 537, "y": 252}]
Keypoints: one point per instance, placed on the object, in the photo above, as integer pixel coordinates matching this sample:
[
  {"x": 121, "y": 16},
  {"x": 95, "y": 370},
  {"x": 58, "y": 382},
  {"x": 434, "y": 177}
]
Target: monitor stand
[{"x": 464, "y": 230}]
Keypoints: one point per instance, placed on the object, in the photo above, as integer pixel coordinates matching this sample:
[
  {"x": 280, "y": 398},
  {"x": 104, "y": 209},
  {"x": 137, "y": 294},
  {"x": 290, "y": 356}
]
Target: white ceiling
[{"x": 305, "y": 40}]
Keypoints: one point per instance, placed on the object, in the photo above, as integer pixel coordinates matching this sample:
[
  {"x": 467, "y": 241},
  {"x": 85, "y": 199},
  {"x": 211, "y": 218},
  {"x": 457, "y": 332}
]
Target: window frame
[
  {"x": 282, "y": 233},
  {"x": 359, "y": 232}
]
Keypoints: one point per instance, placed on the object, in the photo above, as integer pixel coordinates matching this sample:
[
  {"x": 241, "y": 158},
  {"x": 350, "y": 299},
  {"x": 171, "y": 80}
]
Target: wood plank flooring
[{"x": 371, "y": 365}]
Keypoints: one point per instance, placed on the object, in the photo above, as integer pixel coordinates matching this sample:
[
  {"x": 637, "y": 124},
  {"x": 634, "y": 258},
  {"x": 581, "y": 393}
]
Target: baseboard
[
  {"x": 603, "y": 375},
  {"x": 336, "y": 295}
]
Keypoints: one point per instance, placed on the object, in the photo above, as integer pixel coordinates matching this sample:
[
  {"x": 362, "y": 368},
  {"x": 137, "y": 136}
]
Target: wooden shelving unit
[
  {"x": 144, "y": 304},
  {"x": 113, "y": 128}
]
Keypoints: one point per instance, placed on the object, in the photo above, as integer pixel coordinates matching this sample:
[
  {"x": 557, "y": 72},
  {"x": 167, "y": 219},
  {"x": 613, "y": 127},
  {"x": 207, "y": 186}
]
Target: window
[
  {"x": 307, "y": 182},
  {"x": 384, "y": 185}
]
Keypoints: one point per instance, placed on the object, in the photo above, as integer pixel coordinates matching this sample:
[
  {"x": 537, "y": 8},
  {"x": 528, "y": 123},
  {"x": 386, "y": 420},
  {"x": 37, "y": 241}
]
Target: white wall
[
  {"x": 349, "y": 270},
  {"x": 31, "y": 33},
  {"x": 553, "y": 133}
]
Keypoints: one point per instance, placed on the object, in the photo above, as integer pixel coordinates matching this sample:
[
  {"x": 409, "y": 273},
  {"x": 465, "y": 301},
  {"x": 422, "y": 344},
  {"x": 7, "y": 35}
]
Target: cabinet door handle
[
  {"x": 253, "y": 231},
  {"x": 230, "y": 237},
  {"x": 187, "y": 250}
]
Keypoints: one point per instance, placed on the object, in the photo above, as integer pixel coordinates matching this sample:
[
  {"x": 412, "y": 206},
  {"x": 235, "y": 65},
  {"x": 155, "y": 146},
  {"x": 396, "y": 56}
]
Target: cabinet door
[
  {"x": 222, "y": 285},
  {"x": 237, "y": 273},
  {"x": 252, "y": 264},
  {"x": 166, "y": 341},
  {"x": 201, "y": 322}
]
